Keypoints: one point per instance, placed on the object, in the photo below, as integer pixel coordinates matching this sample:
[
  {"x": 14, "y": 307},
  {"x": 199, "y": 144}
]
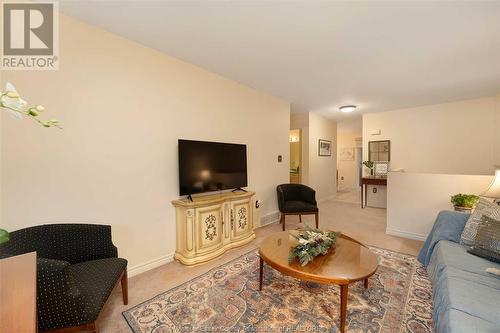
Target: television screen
[{"x": 211, "y": 166}]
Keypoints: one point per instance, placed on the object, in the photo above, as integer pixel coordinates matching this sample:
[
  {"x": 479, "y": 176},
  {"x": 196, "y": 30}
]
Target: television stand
[
  {"x": 239, "y": 189},
  {"x": 213, "y": 224}
]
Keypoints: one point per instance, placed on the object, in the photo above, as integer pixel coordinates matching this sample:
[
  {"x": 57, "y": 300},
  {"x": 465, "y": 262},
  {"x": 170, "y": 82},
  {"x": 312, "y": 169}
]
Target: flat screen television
[{"x": 211, "y": 166}]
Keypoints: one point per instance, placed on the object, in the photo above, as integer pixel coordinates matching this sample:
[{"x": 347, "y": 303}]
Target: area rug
[{"x": 227, "y": 299}]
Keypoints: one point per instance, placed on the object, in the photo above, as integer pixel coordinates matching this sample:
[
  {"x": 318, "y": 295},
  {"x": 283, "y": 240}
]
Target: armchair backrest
[
  {"x": 295, "y": 192},
  {"x": 73, "y": 243}
]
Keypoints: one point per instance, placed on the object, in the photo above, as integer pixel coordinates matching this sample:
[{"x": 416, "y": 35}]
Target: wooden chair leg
[
  {"x": 124, "y": 283},
  {"x": 91, "y": 328},
  {"x": 300, "y": 218},
  {"x": 283, "y": 221},
  {"x": 316, "y": 217}
]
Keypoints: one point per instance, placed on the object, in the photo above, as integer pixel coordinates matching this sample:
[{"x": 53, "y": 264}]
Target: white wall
[
  {"x": 123, "y": 107},
  {"x": 445, "y": 149},
  {"x": 322, "y": 169},
  {"x": 348, "y": 170},
  {"x": 450, "y": 138},
  {"x": 497, "y": 140},
  {"x": 319, "y": 172},
  {"x": 415, "y": 199}
]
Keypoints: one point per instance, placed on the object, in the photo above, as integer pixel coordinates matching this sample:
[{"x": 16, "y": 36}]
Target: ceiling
[{"x": 321, "y": 55}]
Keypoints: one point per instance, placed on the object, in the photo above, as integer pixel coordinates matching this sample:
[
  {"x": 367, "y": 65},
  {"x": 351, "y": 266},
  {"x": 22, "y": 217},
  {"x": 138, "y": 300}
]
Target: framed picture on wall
[
  {"x": 347, "y": 154},
  {"x": 324, "y": 147},
  {"x": 381, "y": 168}
]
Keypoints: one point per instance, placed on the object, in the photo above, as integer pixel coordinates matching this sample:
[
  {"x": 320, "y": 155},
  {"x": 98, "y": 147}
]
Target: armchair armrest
[
  {"x": 281, "y": 198},
  {"x": 309, "y": 195},
  {"x": 56, "y": 291}
]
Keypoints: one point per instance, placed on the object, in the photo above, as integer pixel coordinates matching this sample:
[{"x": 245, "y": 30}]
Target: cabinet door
[
  {"x": 241, "y": 218},
  {"x": 208, "y": 228}
]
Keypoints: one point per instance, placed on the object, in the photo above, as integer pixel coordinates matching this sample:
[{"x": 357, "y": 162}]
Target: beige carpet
[
  {"x": 367, "y": 225},
  {"x": 228, "y": 299}
]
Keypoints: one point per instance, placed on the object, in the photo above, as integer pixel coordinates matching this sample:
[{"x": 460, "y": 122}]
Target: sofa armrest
[
  {"x": 448, "y": 226},
  {"x": 57, "y": 293}
]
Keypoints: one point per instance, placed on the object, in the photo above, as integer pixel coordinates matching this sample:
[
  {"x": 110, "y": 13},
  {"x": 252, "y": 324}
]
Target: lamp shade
[{"x": 494, "y": 190}]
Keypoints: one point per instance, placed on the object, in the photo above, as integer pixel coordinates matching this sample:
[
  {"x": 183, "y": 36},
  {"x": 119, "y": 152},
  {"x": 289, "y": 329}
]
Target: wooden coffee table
[{"x": 349, "y": 262}]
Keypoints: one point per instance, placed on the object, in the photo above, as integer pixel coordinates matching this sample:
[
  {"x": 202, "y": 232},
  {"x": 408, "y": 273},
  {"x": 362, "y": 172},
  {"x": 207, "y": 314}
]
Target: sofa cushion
[
  {"x": 484, "y": 207},
  {"x": 298, "y": 207},
  {"x": 461, "y": 322},
  {"x": 96, "y": 279},
  {"x": 487, "y": 242},
  {"x": 461, "y": 285}
]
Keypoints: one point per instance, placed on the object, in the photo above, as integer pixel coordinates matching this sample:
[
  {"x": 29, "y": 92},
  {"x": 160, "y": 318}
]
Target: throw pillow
[
  {"x": 487, "y": 243},
  {"x": 484, "y": 207}
]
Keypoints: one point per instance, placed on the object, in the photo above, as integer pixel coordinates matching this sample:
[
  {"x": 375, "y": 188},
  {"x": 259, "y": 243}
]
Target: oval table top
[{"x": 350, "y": 261}]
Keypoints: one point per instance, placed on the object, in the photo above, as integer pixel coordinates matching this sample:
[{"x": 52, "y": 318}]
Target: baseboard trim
[
  {"x": 271, "y": 218},
  {"x": 138, "y": 269},
  {"x": 405, "y": 234}
]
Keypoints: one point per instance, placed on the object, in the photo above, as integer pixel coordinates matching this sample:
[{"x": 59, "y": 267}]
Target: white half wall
[
  {"x": 123, "y": 107},
  {"x": 450, "y": 138},
  {"x": 415, "y": 199}
]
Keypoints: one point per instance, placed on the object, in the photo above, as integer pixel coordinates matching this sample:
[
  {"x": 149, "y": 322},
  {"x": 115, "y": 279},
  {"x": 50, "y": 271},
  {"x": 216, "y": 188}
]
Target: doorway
[{"x": 295, "y": 156}]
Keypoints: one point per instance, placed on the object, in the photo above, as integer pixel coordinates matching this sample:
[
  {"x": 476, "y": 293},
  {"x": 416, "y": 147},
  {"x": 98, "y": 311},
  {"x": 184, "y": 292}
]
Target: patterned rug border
[
  {"x": 185, "y": 282},
  {"x": 227, "y": 264}
]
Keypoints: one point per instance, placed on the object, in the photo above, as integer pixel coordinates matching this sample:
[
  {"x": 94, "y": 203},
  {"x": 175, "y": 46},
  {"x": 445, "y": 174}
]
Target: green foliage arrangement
[
  {"x": 464, "y": 200},
  {"x": 312, "y": 243},
  {"x": 4, "y": 236},
  {"x": 368, "y": 164}
]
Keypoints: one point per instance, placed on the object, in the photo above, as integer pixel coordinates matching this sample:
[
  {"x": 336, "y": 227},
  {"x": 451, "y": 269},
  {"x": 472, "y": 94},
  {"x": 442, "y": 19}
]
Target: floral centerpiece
[
  {"x": 312, "y": 243},
  {"x": 11, "y": 102}
]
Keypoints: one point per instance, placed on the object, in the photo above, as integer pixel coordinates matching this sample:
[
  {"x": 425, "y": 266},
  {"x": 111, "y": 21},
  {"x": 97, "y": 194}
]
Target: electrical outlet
[{"x": 257, "y": 203}]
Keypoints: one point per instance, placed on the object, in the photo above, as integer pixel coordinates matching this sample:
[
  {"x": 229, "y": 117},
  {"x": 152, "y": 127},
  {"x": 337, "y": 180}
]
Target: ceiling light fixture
[{"x": 347, "y": 108}]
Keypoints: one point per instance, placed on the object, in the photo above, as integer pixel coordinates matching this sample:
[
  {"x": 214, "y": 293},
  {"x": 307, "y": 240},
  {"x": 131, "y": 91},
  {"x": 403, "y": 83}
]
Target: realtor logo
[{"x": 30, "y": 36}]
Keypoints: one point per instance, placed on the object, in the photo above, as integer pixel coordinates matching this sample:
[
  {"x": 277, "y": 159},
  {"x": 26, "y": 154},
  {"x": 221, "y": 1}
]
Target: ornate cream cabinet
[{"x": 210, "y": 225}]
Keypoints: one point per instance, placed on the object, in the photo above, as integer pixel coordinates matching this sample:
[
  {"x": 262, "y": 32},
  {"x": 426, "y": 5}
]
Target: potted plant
[
  {"x": 369, "y": 165},
  {"x": 464, "y": 202}
]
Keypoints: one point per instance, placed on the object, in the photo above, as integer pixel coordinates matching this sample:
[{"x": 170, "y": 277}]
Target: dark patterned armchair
[
  {"x": 297, "y": 199},
  {"x": 77, "y": 268}
]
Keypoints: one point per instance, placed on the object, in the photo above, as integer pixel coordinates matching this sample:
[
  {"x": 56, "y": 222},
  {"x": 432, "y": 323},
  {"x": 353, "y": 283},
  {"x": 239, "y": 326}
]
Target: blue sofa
[{"x": 466, "y": 297}]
